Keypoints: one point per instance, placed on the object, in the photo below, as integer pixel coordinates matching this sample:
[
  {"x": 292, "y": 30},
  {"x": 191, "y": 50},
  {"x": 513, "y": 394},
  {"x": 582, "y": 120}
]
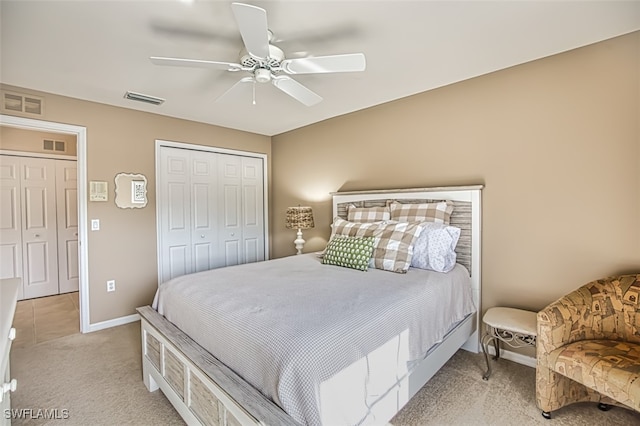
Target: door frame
[
  {"x": 81, "y": 158},
  {"x": 160, "y": 143}
]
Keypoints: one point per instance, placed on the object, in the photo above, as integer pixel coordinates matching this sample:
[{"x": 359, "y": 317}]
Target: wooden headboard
[
  {"x": 460, "y": 217},
  {"x": 466, "y": 215}
]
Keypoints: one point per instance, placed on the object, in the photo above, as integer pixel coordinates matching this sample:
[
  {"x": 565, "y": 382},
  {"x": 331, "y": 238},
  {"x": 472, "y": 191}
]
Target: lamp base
[{"x": 299, "y": 242}]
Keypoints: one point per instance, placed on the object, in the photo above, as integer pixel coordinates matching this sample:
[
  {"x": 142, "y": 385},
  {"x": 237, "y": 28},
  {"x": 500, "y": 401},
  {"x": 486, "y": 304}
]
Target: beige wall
[
  {"x": 14, "y": 139},
  {"x": 123, "y": 140},
  {"x": 556, "y": 142}
]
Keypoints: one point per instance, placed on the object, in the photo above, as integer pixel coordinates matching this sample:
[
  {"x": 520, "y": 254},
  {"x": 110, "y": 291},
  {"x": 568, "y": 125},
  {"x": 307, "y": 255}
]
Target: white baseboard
[
  {"x": 515, "y": 357},
  {"x": 113, "y": 323}
]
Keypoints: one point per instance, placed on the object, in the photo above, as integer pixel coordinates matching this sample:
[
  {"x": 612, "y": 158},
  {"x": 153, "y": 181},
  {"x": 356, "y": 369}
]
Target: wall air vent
[
  {"x": 143, "y": 98},
  {"x": 51, "y": 145},
  {"x": 21, "y": 103}
]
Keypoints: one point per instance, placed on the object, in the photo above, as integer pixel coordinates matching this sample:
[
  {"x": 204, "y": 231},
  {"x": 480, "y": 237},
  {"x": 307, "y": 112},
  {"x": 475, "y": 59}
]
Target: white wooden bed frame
[{"x": 205, "y": 391}]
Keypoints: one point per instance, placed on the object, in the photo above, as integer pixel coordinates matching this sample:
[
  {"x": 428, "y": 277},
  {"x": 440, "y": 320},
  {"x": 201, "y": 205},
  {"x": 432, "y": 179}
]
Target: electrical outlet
[{"x": 111, "y": 285}]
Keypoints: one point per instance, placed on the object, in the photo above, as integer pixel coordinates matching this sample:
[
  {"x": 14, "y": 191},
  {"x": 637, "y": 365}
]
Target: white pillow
[{"x": 435, "y": 247}]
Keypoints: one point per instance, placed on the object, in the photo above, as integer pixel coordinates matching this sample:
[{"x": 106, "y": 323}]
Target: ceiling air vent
[
  {"x": 22, "y": 104},
  {"x": 143, "y": 98}
]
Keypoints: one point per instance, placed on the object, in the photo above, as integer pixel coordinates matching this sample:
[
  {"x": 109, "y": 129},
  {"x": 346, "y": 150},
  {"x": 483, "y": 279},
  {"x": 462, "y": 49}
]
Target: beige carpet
[{"x": 97, "y": 378}]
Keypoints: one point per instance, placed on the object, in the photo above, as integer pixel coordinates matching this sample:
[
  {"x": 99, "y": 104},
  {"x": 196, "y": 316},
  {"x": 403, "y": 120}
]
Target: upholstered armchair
[{"x": 588, "y": 346}]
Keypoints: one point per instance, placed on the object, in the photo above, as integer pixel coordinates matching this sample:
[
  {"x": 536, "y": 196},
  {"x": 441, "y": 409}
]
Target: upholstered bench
[
  {"x": 515, "y": 327},
  {"x": 588, "y": 346}
]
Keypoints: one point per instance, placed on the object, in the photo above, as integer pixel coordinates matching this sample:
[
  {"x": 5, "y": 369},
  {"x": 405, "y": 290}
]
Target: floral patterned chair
[{"x": 588, "y": 346}]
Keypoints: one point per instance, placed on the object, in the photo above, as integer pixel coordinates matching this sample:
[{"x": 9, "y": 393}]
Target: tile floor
[{"x": 46, "y": 318}]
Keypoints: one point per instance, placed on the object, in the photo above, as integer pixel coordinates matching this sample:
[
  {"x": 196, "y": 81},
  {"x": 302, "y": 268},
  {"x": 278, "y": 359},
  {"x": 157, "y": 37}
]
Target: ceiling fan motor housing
[{"x": 276, "y": 55}]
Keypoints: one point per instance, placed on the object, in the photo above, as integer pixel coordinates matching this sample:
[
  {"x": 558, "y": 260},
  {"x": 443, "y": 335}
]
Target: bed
[{"x": 359, "y": 368}]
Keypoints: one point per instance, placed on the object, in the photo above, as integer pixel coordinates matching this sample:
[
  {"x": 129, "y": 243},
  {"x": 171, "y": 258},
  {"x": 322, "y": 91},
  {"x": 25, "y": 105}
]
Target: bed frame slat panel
[
  {"x": 203, "y": 402},
  {"x": 153, "y": 351},
  {"x": 174, "y": 372}
]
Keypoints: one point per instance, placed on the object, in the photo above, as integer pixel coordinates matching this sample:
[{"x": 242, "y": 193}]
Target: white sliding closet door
[
  {"x": 210, "y": 210},
  {"x": 187, "y": 211},
  {"x": 39, "y": 224}
]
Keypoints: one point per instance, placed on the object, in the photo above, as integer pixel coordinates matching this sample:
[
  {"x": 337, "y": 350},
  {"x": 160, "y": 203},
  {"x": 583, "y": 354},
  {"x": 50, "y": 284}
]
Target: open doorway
[{"x": 79, "y": 133}]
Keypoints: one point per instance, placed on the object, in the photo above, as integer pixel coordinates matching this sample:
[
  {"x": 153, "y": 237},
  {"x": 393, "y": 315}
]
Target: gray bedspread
[{"x": 323, "y": 342}]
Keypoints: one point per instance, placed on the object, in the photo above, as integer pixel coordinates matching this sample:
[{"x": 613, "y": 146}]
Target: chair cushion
[{"x": 610, "y": 367}]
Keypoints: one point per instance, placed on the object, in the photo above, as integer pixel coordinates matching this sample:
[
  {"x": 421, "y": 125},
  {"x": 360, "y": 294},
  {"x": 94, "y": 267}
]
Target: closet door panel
[
  {"x": 203, "y": 209},
  {"x": 253, "y": 209},
  {"x": 175, "y": 214},
  {"x": 67, "y": 224},
  {"x": 252, "y": 250},
  {"x": 39, "y": 228},
  {"x": 230, "y": 208},
  {"x": 176, "y": 262},
  {"x": 10, "y": 219},
  {"x": 232, "y": 253}
]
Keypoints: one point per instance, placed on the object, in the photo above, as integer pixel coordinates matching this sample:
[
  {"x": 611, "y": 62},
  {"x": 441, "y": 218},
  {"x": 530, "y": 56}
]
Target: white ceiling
[{"x": 97, "y": 50}]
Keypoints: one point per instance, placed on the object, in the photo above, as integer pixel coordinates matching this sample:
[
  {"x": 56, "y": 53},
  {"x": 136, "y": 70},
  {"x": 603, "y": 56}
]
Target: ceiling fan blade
[
  {"x": 242, "y": 81},
  {"x": 195, "y": 63},
  {"x": 296, "y": 90},
  {"x": 351, "y": 62},
  {"x": 252, "y": 22}
]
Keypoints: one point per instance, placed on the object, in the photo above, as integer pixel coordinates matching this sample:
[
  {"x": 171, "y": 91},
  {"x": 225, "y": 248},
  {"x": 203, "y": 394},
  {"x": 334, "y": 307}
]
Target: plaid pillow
[
  {"x": 352, "y": 229},
  {"x": 425, "y": 212},
  {"x": 367, "y": 214},
  {"x": 393, "y": 245},
  {"x": 350, "y": 252}
]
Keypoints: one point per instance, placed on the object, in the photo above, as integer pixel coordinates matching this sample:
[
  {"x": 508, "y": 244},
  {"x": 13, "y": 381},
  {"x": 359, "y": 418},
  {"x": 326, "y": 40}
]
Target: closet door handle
[
  {"x": 202, "y": 236},
  {"x": 37, "y": 235}
]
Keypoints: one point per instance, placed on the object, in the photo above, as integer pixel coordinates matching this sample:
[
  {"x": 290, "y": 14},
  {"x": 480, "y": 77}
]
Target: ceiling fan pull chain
[{"x": 254, "y": 92}]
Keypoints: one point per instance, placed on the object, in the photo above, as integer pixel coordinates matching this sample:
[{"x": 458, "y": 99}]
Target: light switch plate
[{"x": 95, "y": 224}]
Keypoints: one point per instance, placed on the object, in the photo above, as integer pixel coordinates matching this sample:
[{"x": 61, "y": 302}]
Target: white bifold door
[
  {"x": 210, "y": 210},
  {"x": 39, "y": 224}
]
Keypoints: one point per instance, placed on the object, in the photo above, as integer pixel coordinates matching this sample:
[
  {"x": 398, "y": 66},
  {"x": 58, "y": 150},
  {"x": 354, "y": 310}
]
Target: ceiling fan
[{"x": 266, "y": 62}]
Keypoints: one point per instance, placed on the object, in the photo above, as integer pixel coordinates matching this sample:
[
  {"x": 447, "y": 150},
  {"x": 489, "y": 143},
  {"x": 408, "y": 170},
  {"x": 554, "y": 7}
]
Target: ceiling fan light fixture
[{"x": 262, "y": 75}]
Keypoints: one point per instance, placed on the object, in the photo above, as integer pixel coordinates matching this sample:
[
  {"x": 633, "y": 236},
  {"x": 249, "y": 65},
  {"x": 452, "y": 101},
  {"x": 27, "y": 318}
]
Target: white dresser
[{"x": 8, "y": 299}]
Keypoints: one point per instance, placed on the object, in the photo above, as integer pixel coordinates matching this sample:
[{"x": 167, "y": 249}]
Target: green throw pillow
[{"x": 350, "y": 252}]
